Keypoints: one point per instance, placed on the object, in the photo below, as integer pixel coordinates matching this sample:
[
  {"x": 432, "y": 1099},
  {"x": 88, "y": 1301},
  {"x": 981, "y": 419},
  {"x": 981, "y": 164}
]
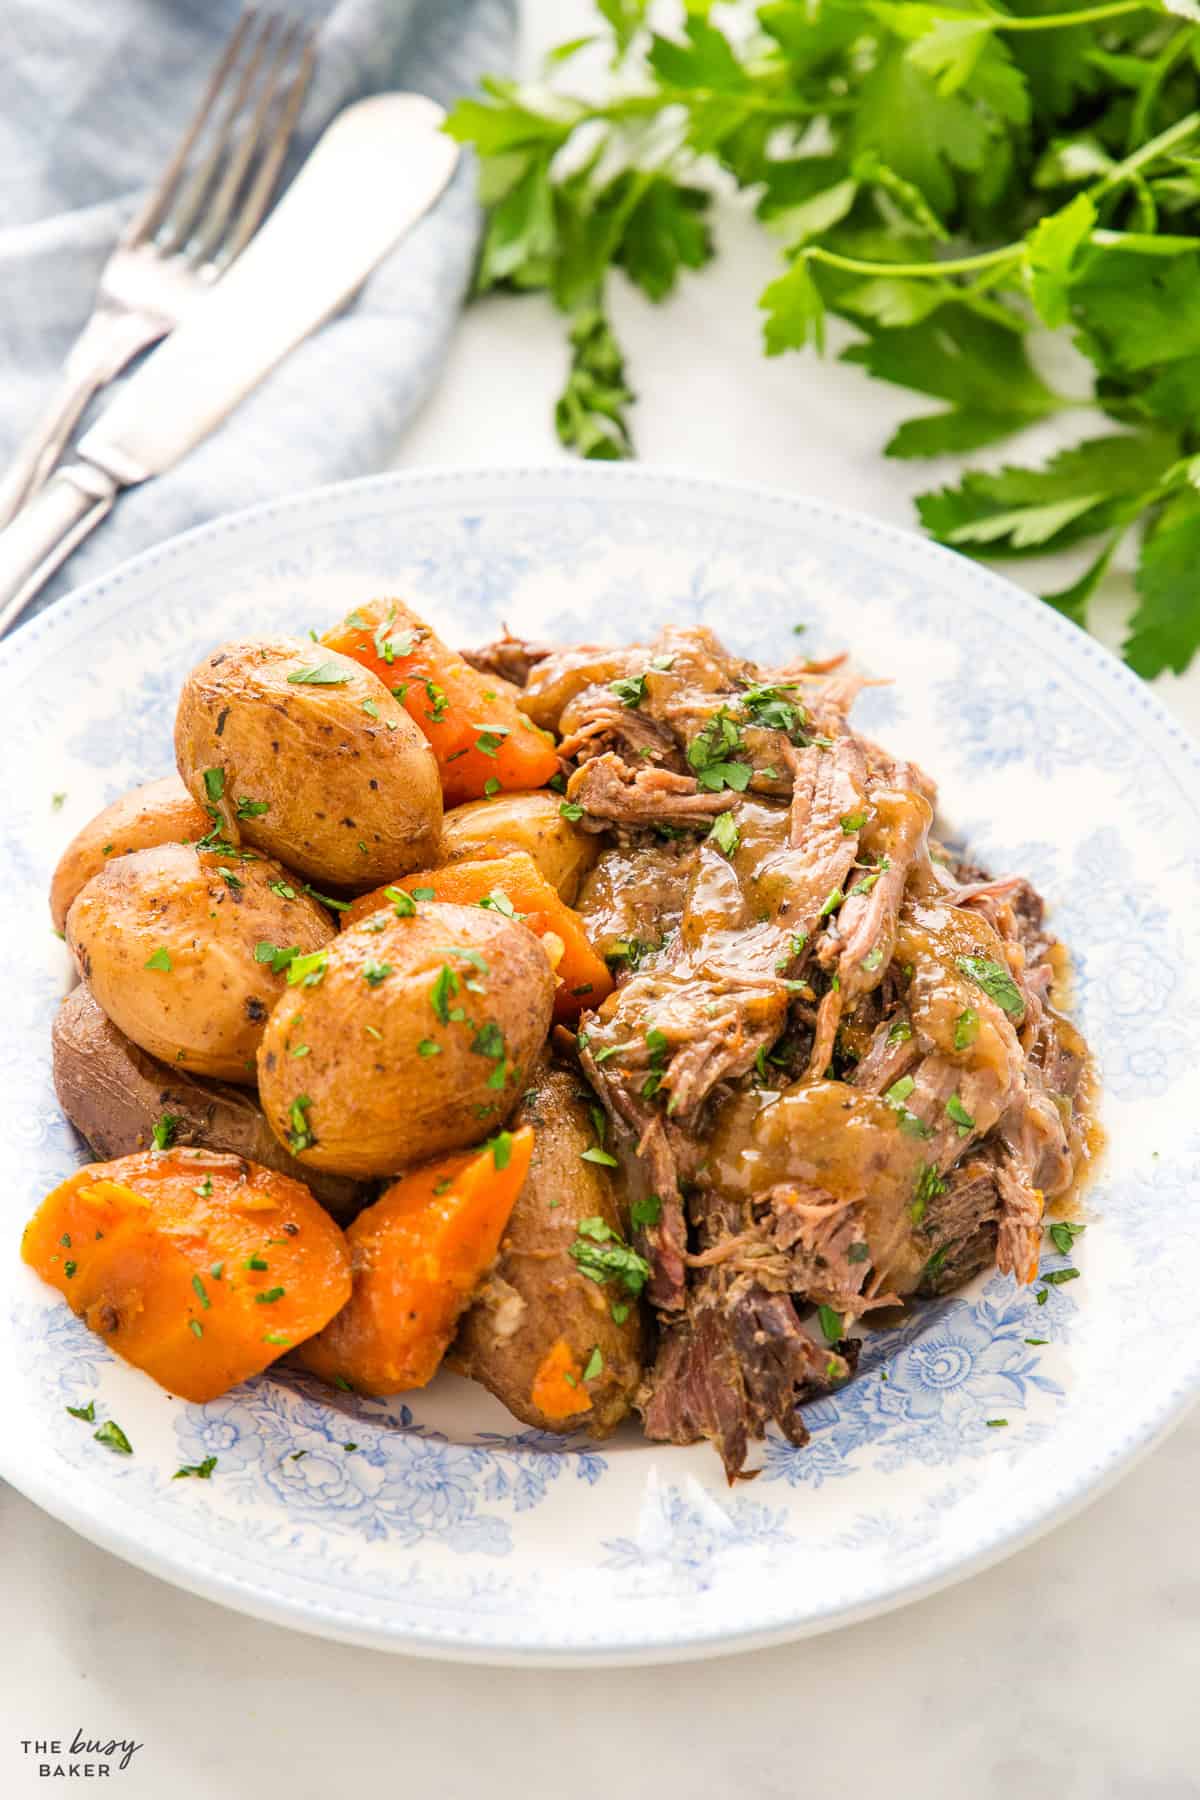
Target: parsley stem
[
  {"x": 1058, "y": 21},
  {"x": 959, "y": 265},
  {"x": 1175, "y": 49},
  {"x": 1157, "y": 146}
]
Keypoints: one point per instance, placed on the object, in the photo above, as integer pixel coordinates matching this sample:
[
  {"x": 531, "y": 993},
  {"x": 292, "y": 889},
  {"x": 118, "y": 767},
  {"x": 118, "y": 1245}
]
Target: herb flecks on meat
[{"x": 834, "y": 1075}]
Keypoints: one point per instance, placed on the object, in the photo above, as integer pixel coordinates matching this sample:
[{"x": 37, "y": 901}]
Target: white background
[{"x": 1068, "y": 1672}]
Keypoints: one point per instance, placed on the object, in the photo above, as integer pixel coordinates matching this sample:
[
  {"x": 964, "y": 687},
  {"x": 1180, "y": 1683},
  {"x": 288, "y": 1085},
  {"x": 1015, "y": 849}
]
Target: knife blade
[{"x": 319, "y": 245}]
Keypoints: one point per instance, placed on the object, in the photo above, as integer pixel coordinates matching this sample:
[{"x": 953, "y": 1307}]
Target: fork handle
[
  {"x": 106, "y": 344},
  {"x": 46, "y": 530}
]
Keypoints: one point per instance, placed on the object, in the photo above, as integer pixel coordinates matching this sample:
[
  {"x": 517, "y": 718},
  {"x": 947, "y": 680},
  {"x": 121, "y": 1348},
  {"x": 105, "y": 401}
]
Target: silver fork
[{"x": 186, "y": 234}]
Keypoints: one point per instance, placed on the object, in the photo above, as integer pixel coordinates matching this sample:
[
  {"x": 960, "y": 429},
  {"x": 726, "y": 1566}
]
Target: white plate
[{"x": 447, "y": 1530}]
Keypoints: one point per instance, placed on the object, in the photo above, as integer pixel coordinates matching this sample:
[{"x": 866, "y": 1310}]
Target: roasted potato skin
[
  {"x": 114, "y": 1095},
  {"x": 533, "y": 822},
  {"x": 165, "y": 938},
  {"x": 373, "y": 1099},
  {"x": 350, "y": 785},
  {"x": 158, "y": 812},
  {"x": 535, "y": 1296}
]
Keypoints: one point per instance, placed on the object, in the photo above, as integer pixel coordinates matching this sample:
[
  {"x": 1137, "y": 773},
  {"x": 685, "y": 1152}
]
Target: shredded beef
[{"x": 784, "y": 933}]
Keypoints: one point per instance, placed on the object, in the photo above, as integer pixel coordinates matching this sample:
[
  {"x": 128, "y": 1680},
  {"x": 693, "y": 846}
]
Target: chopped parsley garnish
[
  {"x": 966, "y": 1029},
  {"x": 113, "y": 1438},
  {"x": 276, "y": 1337},
  {"x": 831, "y": 1323},
  {"x": 491, "y": 738},
  {"x": 164, "y": 1129},
  {"x": 257, "y": 1262},
  {"x": 424, "y": 893},
  {"x": 69, "y": 1268},
  {"x": 1063, "y": 1234},
  {"x": 594, "y": 1154},
  {"x": 710, "y": 754},
  {"x": 438, "y": 702},
  {"x": 500, "y": 902},
  {"x": 995, "y": 980},
  {"x": 569, "y": 810},
  {"x": 501, "y": 1149},
  {"x": 214, "y": 784},
  {"x": 832, "y": 901},
  {"x": 488, "y": 1040},
  {"x": 309, "y": 970},
  {"x": 252, "y": 809},
  {"x": 1036, "y": 1340},
  {"x": 620, "y": 1311},
  {"x": 278, "y": 959},
  {"x": 159, "y": 959},
  {"x": 201, "y": 1292},
  {"x": 370, "y": 708},
  {"x": 601, "y": 1255},
  {"x": 872, "y": 959},
  {"x": 491, "y": 787},
  {"x": 196, "y": 1328},
  {"x": 629, "y": 689},
  {"x": 201, "y": 1470},
  {"x": 868, "y": 881},
  {"x": 1056, "y": 1277},
  {"x": 404, "y": 904},
  {"x": 445, "y": 987},
  {"x": 767, "y": 707},
  {"x": 852, "y": 822},
  {"x": 962, "y": 1118},
  {"x": 334, "y": 905},
  {"x": 428, "y": 1047},
  {"x": 595, "y": 1363},
  {"x": 899, "y": 1032},
  {"x": 647, "y": 1211},
  {"x": 373, "y": 973},
  {"x": 725, "y": 834},
  {"x": 327, "y": 674},
  {"x": 86, "y": 1413},
  {"x": 929, "y": 1186},
  {"x": 269, "y": 1296},
  {"x": 994, "y": 1424},
  {"x": 300, "y": 1137},
  {"x": 908, "y": 1121}
]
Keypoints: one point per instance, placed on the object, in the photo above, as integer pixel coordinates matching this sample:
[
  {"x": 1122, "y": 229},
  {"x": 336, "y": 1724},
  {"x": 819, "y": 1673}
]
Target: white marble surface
[{"x": 1067, "y": 1673}]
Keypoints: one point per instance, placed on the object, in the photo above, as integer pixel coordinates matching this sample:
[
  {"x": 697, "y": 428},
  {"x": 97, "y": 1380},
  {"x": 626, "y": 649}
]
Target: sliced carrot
[
  {"x": 583, "y": 978},
  {"x": 558, "y": 1391},
  {"x": 418, "y": 1256},
  {"x": 482, "y": 740},
  {"x": 199, "y": 1267}
]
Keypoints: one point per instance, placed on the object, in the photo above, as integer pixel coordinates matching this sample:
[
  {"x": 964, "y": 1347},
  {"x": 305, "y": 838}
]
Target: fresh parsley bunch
[{"x": 942, "y": 177}]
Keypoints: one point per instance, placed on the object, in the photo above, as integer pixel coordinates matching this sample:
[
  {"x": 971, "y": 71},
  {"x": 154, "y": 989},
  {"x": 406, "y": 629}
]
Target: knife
[{"x": 377, "y": 170}]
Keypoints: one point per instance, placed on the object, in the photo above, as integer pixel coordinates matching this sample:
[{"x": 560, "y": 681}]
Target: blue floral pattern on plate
[{"x": 435, "y": 1523}]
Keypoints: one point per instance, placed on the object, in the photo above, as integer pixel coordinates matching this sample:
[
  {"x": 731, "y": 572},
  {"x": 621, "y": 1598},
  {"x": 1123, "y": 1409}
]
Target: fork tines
[{"x": 219, "y": 179}]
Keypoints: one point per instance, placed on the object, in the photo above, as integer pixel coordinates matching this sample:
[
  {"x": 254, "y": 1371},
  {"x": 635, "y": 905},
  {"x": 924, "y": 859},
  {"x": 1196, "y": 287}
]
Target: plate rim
[{"x": 317, "y": 1617}]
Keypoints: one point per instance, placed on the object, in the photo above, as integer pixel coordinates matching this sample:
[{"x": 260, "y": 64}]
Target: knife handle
[{"x": 46, "y": 530}]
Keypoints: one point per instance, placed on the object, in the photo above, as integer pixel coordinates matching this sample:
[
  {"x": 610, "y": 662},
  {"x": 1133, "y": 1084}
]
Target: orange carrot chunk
[
  {"x": 418, "y": 1256},
  {"x": 558, "y": 1391},
  {"x": 482, "y": 740},
  {"x": 199, "y": 1267},
  {"x": 583, "y": 978}
]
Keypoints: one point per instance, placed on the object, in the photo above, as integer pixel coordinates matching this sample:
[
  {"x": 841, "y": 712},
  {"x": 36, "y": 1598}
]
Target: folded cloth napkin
[{"x": 92, "y": 99}]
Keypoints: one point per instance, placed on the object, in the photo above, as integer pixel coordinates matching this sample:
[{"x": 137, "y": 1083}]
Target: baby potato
[
  {"x": 412, "y": 1038},
  {"x": 118, "y": 1098},
  {"x": 307, "y": 755},
  {"x": 562, "y": 1351},
  {"x": 159, "y": 812},
  {"x": 187, "y": 951},
  {"x": 532, "y": 822}
]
